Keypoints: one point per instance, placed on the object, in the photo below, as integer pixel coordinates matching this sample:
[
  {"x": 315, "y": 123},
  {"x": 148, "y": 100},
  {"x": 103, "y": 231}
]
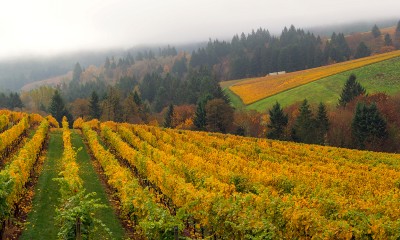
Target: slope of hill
[
  {"x": 199, "y": 184},
  {"x": 379, "y": 77},
  {"x": 254, "y": 89},
  {"x": 377, "y": 45},
  {"x": 54, "y": 81},
  {"x": 351, "y": 28},
  {"x": 233, "y": 179}
]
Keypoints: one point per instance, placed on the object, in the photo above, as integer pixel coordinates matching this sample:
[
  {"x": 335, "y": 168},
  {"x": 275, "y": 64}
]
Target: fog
[{"x": 52, "y": 26}]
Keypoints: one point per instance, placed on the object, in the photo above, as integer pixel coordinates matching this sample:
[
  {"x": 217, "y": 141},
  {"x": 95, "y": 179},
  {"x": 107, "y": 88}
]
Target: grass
[
  {"x": 235, "y": 100},
  {"x": 379, "y": 77},
  {"x": 93, "y": 184},
  {"x": 41, "y": 218}
]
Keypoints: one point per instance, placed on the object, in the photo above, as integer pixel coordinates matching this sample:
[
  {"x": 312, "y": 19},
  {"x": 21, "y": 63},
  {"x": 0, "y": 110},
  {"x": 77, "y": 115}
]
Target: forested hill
[
  {"x": 255, "y": 54},
  {"x": 260, "y": 52},
  {"x": 17, "y": 72}
]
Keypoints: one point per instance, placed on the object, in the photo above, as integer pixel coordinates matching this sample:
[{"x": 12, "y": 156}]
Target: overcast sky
[{"x": 51, "y": 26}]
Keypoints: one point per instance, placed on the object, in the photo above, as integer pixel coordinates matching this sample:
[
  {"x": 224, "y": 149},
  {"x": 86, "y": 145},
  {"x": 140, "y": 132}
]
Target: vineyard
[
  {"x": 255, "y": 89},
  {"x": 173, "y": 184}
]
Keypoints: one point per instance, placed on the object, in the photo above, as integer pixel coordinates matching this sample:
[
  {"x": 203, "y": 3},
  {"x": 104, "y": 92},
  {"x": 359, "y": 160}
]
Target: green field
[
  {"x": 379, "y": 77},
  {"x": 40, "y": 223},
  {"x": 235, "y": 100}
]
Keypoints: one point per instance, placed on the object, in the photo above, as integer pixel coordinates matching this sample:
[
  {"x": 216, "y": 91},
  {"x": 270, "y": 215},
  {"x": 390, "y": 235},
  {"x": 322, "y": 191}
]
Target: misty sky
[{"x": 51, "y": 26}]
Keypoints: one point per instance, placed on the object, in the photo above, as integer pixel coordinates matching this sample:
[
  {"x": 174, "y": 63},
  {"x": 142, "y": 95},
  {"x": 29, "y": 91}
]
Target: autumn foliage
[
  {"x": 15, "y": 176},
  {"x": 12, "y": 136},
  {"x": 235, "y": 187}
]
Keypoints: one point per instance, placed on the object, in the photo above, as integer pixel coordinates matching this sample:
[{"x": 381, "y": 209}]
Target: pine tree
[
  {"x": 57, "y": 108},
  {"x": 368, "y": 126},
  {"x": 362, "y": 51},
  {"x": 304, "y": 130},
  {"x": 388, "y": 40},
  {"x": 169, "y": 117},
  {"x": 199, "y": 120},
  {"x": 3, "y": 100},
  {"x": 397, "y": 36},
  {"x": 337, "y": 49},
  {"x": 351, "y": 89},
  {"x": 107, "y": 63},
  {"x": 137, "y": 98},
  {"x": 113, "y": 64},
  {"x": 94, "y": 106},
  {"x": 77, "y": 72},
  {"x": 14, "y": 101},
  {"x": 398, "y": 26},
  {"x": 161, "y": 99},
  {"x": 375, "y": 31},
  {"x": 322, "y": 123},
  {"x": 278, "y": 122},
  {"x": 180, "y": 66}
]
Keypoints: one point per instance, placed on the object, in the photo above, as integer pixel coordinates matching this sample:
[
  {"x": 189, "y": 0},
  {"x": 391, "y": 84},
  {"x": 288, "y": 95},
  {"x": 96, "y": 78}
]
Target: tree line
[
  {"x": 260, "y": 53},
  {"x": 11, "y": 100}
]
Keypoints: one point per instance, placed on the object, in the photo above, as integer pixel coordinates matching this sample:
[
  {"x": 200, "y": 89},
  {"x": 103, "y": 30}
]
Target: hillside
[
  {"x": 53, "y": 82},
  {"x": 378, "y": 77},
  {"x": 351, "y": 28},
  {"x": 317, "y": 84},
  {"x": 196, "y": 184},
  {"x": 377, "y": 45}
]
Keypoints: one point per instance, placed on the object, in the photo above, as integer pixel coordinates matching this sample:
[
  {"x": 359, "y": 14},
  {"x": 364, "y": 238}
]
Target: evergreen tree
[
  {"x": 322, "y": 123},
  {"x": 113, "y": 64},
  {"x": 368, "y": 126},
  {"x": 180, "y": 66},
  {"x": 161, "y": 99},
  {"x": 77, "y": 72},
  {"x": 388, "y": 40},
  {"x": 337, "y": 49},
  {"x": 94, "y": 106},
  {"x": 200, "y": 120},
  {"x": 397, "y": 36},
  {"x": 169, "y": 117},
  {"x": 107, "y": 63},
  {"x": 362, "y": 51},
  {"x": 130, "y": 59},
  {"x": 351, "y": 89},
  {"x": 139, "y": 56},
  {"x": 239, "y": 66},
  {"x": 14, "y": 101},
  {"x": 375, "y": 31},
  {"x": 57, "y": 108},
  {"x": 304, "y": 130},
  {"x": 137, "y": 98},
  {"x": 278, "y": 121},
  {"x": 3, "y": 101},
  {"x": 398, "y": 26}
]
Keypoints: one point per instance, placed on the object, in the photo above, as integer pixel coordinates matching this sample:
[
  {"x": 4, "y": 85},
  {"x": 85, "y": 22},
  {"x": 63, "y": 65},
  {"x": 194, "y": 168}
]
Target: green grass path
[
  {"x": 41, "y": 218},
  {"x": 92, "y": 183}
]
